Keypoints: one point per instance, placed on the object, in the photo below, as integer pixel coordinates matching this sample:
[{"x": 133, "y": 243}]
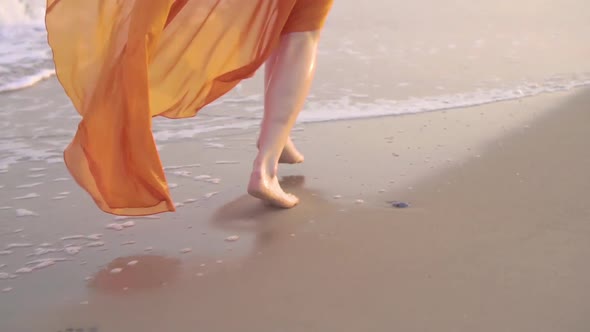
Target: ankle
[{"x": 264, "y": 168}]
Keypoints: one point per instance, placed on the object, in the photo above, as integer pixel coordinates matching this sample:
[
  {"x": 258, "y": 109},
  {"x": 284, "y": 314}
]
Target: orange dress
[{"x": 124, "y": 62}]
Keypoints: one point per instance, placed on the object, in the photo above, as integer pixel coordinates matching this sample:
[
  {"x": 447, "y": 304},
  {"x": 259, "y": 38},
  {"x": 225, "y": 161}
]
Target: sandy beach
[
  {"x": 413, "y": 216},
  {"x": 494, "y": 238}
]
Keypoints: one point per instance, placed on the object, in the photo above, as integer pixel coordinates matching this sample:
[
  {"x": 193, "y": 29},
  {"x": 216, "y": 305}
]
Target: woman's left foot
[{"x": 290, "y": 154}]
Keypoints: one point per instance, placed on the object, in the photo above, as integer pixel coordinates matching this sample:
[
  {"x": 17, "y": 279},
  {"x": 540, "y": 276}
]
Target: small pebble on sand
[
  {"x": 337, "y": 196},
  {"x": 116, "y": 270},
  {"x": 6, "y": 290},
  {"x": 132, "y": 263},
  {"x": 400, "y": 205},
  {"x": 186, "y": 250},
  {"x": 359, "y": 201},
  {"x": 148, "y": 249}
]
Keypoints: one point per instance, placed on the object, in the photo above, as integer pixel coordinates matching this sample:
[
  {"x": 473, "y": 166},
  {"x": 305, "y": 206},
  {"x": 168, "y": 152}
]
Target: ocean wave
[{"x": 26, "y": 81}]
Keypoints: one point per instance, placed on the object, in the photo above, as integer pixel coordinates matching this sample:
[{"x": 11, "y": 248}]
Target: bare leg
[
  {"x": 290, "y": 154},
  {"x": 292, "y": 73}
]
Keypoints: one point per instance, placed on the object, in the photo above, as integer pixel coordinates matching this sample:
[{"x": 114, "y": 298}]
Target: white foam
[
  {"x": 27, "y": 81},
  {"x": 348, "y": 107},
  {"x": 211, "y": 194},
  {"x": 18, "y": 245},
  {"x": 43, "y": 251},
  {"x": 28, "y": 196},
  {"x": 95, "y": 244},
  {"x": 29, "y": 185},
  {"x": 25, "y": 57},
  {"x": 232, "y": 238},
  {"x": 72, "y": 250},
  {"x": 181, "y": 166},
  {"x": 227, "y": 162},
  {"x": 22, "y": 12},
  {"x": 115, "y": 227},
  {"x": 26, "y": 213}
]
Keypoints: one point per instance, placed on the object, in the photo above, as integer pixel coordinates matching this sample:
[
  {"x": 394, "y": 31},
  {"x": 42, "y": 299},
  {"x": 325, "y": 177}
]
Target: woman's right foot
[{"x": 269, "y": 190}]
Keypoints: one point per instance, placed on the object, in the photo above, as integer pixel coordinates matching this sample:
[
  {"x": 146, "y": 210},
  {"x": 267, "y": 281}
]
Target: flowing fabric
[{"x": 124, "y": 62}]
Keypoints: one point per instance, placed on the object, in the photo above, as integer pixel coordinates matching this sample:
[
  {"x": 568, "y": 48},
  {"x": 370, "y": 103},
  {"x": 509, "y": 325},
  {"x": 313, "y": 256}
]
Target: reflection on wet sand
[
  {"x": 135, "y": 273},
  {"x": 153, "y": 292}
]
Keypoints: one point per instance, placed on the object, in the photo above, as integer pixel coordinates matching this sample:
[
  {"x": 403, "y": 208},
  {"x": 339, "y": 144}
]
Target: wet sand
[{"x": 494, "y": 238}]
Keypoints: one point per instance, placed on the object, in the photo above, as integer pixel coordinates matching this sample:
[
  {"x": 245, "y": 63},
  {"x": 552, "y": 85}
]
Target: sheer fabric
[{"x": 124, "y": 62}]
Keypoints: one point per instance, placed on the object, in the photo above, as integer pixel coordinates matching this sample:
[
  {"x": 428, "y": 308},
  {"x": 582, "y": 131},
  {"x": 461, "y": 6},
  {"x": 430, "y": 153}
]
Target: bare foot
[
  {"x": 290, "y": 154},
  {"x": 269, "y": 190}
]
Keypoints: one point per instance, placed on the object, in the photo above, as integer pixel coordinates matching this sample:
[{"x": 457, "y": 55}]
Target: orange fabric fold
[{"x": 124, "y": 62}]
